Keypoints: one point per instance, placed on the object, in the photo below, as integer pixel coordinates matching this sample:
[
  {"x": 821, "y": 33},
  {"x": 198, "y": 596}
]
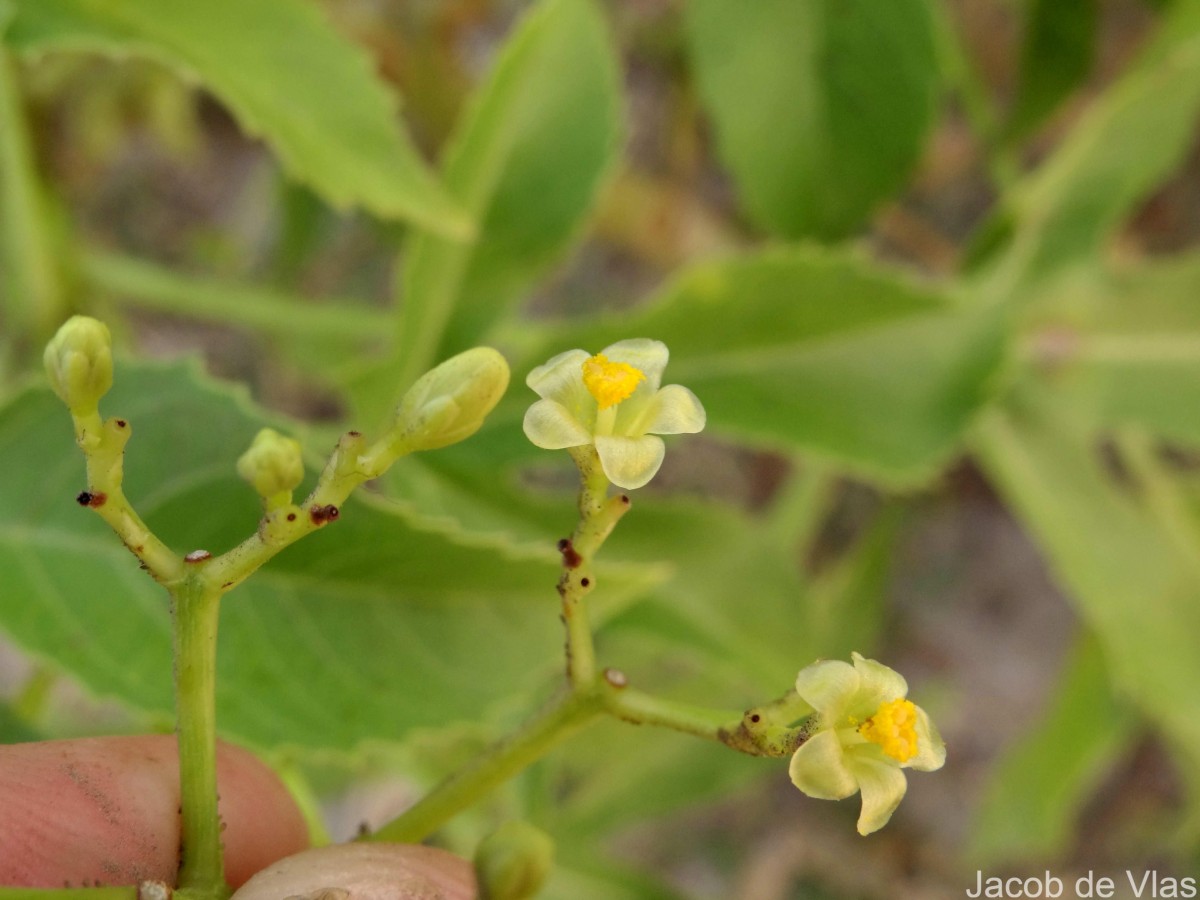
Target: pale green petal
[
  {"x": 829, "y": 686},
  {"x": 630, "y": 462},
  {"x": 819, "y": 768},
  {"x": 931, "y": 750},
  {"x": 644, "y": 354},
  {"x": 878, "y": 685},
  {"x": 883, "y": 786},
  {"x": 561, "y": 379},
  {"x": 673, "y": 410},
  {"x": 551, "y": 427}
]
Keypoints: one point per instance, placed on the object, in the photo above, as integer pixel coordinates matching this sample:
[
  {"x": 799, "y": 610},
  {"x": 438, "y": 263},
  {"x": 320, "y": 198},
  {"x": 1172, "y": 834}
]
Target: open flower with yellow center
[
  {"x": 864, "y": 734},
  {"x": 614, "y": 401}
]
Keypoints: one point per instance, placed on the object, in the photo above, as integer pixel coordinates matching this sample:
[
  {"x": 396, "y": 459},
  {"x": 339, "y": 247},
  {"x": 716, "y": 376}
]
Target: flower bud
[
  {"x": 273, "y": 465},
  {"x": 450, "y": 402},
  {"x": 513, "y": 862},
  {"x": 79, "y": 363}
]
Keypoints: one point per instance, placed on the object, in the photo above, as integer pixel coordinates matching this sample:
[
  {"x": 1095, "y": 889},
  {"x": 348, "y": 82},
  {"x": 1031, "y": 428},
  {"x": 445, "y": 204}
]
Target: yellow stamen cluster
[
  {"x": 893, "y": 727},
  {"x": 610, "y": 382}
]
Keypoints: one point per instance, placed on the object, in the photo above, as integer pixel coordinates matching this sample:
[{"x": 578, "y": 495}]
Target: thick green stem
[
  {"x": 196, "y": 606},
  {"x": 569, "y": 712}
]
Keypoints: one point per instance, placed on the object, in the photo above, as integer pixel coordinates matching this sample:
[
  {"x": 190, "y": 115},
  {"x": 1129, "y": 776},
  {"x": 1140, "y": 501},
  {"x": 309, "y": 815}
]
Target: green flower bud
[
  {"x": 513, "y": 862},
  {"x": 450, "y": 402},
  {"x": 79, "y": 363},
  {"x": 273, "y": 465}
]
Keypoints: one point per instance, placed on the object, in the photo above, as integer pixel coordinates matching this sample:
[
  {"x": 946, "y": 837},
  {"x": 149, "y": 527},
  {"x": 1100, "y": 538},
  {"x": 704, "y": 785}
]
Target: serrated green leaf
[
  {"x": 1131, "y": 578},
  {"x": 1065, "y": 210},
  {"x": 284, "y": 73},
  {"x": 526, "y": 161},
  {"x": 1035, "y": 792},
  {"x": 820, "y": 109},
  {"x": 379, "y": 623},
  {"x": 817, "y": 351},
  {"x": 1056, "y": 53}
]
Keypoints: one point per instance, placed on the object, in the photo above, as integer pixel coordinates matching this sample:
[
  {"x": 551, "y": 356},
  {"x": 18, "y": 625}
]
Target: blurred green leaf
[
  {"x": 31, "y": 292},
  {"x": 1068, "y": 206},
  {"x": 1123, "y": 347},
  {"x": 820, "y": 109},
  {"x": 286, "y": 75},
  {"x": 527, "y": 161},
  {"x": 1133, "y": 581},
  {"x": 1037, "y": 790},
  {"x": 590, "y": 876},
  {"x": 1056, "y": 54},
  {"x": 818, "y": 351},
  {"x": 380, "y": 623},
  {"x": 620, "y": 776}
]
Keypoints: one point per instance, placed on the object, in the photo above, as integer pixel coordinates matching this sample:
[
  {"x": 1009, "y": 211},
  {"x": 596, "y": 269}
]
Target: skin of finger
[
  {"x": 106, "y": 811},
  {"x": 365, "y": 872}
]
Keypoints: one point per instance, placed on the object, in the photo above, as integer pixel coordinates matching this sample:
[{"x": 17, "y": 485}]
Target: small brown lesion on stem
[{"x": 320, "y": 515}]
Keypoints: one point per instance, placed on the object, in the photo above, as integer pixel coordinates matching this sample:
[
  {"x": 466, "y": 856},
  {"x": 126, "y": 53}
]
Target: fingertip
[{"x": 105, "y": 811}]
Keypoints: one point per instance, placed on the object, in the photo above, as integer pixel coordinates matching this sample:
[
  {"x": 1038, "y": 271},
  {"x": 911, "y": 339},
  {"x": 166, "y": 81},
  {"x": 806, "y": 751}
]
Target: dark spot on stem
[
  {"x": 571, "y": 557},
  {"x": 291, "y": 517},
  {"x": 585, "y": 582},
  {"x": 322, "y": 514},
  {"x": 625, "y": 499},
  {"x": 93, "y": 499},
  {"x": 354, "y": 434},
  {"x": 756, "y": 718},
  {"x": 121, "y": 423},
  {"x": 84, "y": 499}
]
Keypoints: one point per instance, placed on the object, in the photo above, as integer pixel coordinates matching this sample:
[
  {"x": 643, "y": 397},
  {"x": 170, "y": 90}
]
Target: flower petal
[
  {"x": 879, "y": 684},
  {"x": 673, "y": 410},
  {"x": 828, "y": 685},
  {"x": 649, "y": 356},
  {"x": 561, "y": 379},
  {"x": 883, "y": 786},
  {"x": 550, "y": 426},
  {"x": 931, "y": 749},
  {"x": 819, "y": 768},
  {"x": 629, "y": 462}
]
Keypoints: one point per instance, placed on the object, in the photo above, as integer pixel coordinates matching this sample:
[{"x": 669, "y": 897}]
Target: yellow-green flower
[
  {"x": 865, "y": 733},
  {"x": 614, "y": 401}
]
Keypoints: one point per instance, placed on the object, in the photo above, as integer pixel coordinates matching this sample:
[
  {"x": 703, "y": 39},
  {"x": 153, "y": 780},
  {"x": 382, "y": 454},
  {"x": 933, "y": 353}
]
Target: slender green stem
[
  {"x": 196, "y": 607},
  {"x": 598, "y": 514},
  {"x": 567, "y": 714},
  {"x": 640, "y": 708},
  {"x": 103, "y": 443},
  {"x": 351, "y": 464}
]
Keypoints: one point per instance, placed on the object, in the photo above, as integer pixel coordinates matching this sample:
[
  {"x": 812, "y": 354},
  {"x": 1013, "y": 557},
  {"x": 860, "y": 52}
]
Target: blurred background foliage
[{"x": 930, "y": 264}]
